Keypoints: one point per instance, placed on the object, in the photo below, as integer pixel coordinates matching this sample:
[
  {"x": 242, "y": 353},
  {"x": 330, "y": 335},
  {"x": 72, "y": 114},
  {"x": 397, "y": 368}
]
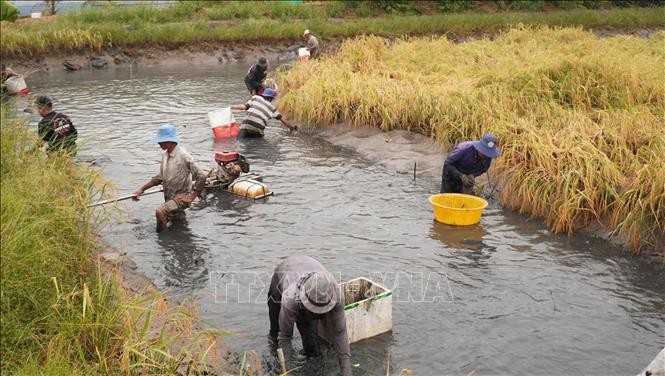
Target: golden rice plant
[{"x": 580, "y": 118}]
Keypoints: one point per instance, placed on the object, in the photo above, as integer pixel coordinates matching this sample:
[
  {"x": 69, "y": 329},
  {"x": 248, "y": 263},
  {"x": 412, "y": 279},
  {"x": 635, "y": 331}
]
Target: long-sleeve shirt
[
  {"x": 176, "y": 173},
  {"x": 57, "y": 129},
  {"x": 290, "y": 273},
  {"x": 464, "y": 160}
]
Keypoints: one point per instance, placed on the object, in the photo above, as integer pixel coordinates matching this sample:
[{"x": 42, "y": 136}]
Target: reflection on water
[
  {"x": 183, "y": 257},
  {"x": 458, "y": 237},
  {"x": 517, "y": 299}
]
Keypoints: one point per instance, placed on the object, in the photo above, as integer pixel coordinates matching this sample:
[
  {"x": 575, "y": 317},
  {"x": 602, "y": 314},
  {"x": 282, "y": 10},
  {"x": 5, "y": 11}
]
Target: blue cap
[
  {"x": 487, "y": 146},
  {"x": 268, "y": 92},
  {"x": 166, "y": 133}
]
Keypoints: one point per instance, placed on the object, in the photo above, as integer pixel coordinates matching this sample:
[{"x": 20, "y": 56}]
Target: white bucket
[
  {"x": 303, "y": 54},
  {"x": 16, "y": 84},
  {"x": 223, "y": 123}
]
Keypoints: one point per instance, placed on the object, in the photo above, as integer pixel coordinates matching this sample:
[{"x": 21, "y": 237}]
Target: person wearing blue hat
[
  {"x": 468, "y": 160},
  {"x": 176, "y": 173},
  {"x": 259, "y": 110}
]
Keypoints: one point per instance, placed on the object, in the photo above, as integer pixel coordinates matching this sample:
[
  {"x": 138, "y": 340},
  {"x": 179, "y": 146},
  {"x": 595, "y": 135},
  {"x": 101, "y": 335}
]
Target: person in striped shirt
[{"x": 259, "y": 110}]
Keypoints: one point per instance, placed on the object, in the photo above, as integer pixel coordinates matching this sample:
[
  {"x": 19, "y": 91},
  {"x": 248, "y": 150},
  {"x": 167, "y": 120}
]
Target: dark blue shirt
[{"x": 464, "y": 158}]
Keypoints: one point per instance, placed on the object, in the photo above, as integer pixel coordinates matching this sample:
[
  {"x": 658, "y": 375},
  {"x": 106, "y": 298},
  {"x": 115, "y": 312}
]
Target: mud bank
[
  {"x": 207, "y": 53},
  {"x": 400, "y": 150},
  {"x": 198, "y": 54}
]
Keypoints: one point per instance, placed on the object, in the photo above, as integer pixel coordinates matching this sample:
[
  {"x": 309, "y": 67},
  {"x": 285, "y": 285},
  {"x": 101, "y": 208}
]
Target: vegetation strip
[
  {"x": 60, "y": 314},
  {"x": 198, "y": 22},
  {"x": 579, "y": 117}
]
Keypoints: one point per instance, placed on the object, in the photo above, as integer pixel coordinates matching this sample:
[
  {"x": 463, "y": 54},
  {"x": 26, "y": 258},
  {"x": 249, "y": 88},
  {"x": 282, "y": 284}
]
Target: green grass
[
  {"x": 189, "y": 22},
  {"x": 579, "y": 118},
  {"x": 59, "y": 314}
]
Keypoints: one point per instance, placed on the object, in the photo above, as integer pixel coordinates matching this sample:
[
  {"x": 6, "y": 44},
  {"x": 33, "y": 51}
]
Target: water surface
[{"x": 503, "y": 297}]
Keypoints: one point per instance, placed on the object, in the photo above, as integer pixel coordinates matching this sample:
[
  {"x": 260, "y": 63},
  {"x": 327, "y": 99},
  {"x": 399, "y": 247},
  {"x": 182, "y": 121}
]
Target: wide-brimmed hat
[
  {"x": 306, "y": 32},
  {"x": 166, "y": 133},
  {"x": 487, "y": 145},
  {"x": 268, "y": 92},
  {"x": 319, "y": 292}
]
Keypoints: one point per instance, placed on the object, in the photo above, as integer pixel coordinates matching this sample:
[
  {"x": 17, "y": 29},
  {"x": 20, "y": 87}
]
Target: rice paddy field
[{"x": 580, "y": 119}]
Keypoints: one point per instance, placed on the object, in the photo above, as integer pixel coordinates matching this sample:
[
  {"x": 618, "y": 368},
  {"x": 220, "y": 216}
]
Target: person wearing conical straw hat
[
  {"x": 302, "y": 292},
  {"x": 312, "y": 44},
  {"x": 176, "y": 173},
  {"x": 468, "y": 160}
]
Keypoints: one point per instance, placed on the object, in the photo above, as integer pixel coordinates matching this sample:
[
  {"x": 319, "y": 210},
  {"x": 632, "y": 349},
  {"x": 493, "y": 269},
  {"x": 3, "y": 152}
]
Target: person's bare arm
[{"x": 241, "y": 107}]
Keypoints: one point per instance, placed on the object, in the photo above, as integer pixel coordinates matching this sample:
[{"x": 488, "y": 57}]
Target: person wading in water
[
  {"x": 259, "y": 110},
  {"x": 55, "y": 128},
  {"x": 302, "y": 292},
  {"x": 256, "y": 75},
  {"x": 468, "y": 160},
  {"x": 175, "y": 173}
]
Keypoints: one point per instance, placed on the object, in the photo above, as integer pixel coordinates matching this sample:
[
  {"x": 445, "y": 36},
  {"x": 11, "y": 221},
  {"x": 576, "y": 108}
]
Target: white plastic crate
[{"x": 368, "y": 310}]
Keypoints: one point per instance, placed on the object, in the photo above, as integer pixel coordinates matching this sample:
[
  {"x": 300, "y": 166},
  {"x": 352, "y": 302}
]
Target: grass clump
[
  {"x": 187, "y": 22},
  {"x": 60, "y": 314},
  {"x": 580, "y": 118}
]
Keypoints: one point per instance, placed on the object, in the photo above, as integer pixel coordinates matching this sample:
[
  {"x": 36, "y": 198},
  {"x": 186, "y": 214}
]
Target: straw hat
[{"x": 305, "y": 33}]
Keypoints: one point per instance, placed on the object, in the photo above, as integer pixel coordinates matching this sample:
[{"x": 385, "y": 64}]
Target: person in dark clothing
[
  {"x": 302, "y": 292},
  {"x": 256, "y": 75},
  {"x": 55, "y": 128},
  {"x": 468, "y": 160}
]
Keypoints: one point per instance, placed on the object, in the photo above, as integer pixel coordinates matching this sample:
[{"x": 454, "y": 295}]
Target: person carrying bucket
[
  {"x": 312, "y": 44},
  {"x": 55, "y": 128},
  {"x": 256, "y": 75},
  {"x": 302, "y": 292},
  {"x": 176, "y": 173},
  {"x": 12, "y": 83},
  {"x": 259, "y": 110},
  {"x": 468, "y": 160}
]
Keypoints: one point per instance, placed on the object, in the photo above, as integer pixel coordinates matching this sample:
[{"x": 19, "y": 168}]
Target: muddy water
[{"x": 503, "y": 297}]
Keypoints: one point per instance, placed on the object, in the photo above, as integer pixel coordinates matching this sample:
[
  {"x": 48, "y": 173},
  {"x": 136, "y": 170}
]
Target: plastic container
[
  {"x": 457, "y": 209},
  {"x": 303, "y": 54},
  {"x": 16, "y": 85},
  {"x": 226, "y": 156},
  {"x": 368, "y": 310},
  {"x": 223, "y": 123},
  {"x": 249, "y": 188}
]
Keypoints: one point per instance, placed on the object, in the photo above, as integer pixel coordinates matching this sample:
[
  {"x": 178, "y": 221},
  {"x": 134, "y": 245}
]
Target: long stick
[
  {"x": 124, "y": 198},
  {"x": 282, "y": 361},
  {"x": 491, "y": 195}
]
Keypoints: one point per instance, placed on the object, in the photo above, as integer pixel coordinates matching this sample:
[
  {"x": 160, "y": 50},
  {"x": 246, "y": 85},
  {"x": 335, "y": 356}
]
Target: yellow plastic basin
[{"x": 457, "y": 209}]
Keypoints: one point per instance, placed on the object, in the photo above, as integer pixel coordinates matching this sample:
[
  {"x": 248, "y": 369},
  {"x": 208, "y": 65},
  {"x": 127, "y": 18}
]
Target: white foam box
[{"x": 368, "y": 309}]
